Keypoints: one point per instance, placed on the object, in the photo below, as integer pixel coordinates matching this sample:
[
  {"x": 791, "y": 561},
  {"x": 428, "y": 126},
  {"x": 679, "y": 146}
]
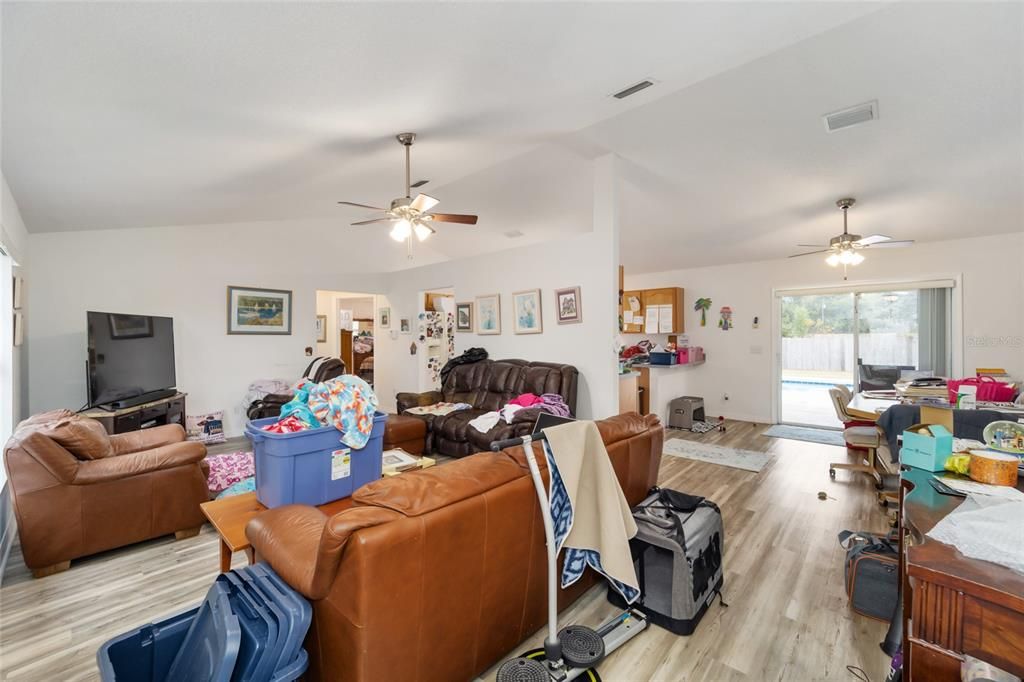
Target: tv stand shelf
[{"x": 156, "y": 413}]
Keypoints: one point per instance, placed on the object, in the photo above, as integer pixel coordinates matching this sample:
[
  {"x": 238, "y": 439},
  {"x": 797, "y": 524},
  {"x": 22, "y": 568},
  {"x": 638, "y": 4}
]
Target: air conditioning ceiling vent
[{"x": 853, "y": 116}]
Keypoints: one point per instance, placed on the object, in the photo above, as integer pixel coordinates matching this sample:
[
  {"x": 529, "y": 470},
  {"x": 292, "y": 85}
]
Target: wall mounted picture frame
[
  {"x": 18, "y": 286},
  {"x": 321, "y": 329},
  {"x": 345, "y": 319},
  {"x": 256, "y": 311},
  {"x": 384, "y": 318},
  {"x": 19, "y": 328},
  {"x": 488, "y": 314},
  {"x": 404, "y": 325},
  {"x": 526, "y": 312},
  {"x": 464, "y": 317},
  {"x": 568, "y": 305}
]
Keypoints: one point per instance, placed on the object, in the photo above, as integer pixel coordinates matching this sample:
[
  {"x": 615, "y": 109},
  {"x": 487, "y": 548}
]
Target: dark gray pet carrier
[{"x": 677, "y": 553}]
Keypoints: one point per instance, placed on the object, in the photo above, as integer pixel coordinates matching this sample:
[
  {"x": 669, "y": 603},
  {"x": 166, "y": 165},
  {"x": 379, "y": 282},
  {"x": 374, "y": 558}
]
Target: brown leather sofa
[
  {"x": 77, "y": 491},
  {"x": 434, "y": 575},
  {"x": 488, "y": 385}
]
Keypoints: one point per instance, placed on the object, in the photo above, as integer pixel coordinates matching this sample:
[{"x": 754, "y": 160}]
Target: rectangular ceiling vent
[
  {"x": 419, "y": 183},
  {"x": 633, "y": 89},
  {"x": 854, "y": 116}
]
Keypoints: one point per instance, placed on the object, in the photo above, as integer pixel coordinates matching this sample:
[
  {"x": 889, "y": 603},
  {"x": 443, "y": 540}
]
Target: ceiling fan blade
[
  {"x": 423, "y": 203},
  {"x": 453, "y": 218},
  {"x": 373, "y": 220},
  {"x": 898, "y": 244},
  {"x": 809, "y": 253},
  {"x": 813, "y": 246},
  {"x": 352, "y": 203},
  {"x": 873, "y": 239}
]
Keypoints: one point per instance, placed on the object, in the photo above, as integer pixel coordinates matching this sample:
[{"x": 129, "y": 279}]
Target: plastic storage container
[
  {"x": 312, "y": 467},
  {"x": 661, "y": 358}
]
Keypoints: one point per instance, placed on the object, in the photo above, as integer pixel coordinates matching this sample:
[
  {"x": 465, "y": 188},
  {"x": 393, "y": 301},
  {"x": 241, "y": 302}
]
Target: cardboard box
[{"x": 928, "y": 452}]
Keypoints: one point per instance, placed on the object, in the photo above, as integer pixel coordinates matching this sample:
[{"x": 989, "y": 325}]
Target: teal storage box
[
  {"x": 312, "y": 467},
  {"x": 926, "y": 452}
]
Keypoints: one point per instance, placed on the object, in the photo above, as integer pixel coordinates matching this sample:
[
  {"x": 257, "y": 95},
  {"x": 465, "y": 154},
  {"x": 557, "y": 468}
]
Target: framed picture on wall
[
  {"x": 526, "y": 314},
  {"x": 568, "y": 307},
  {"x": 464, "y": 317},
  {"x": 321, "y": 329},
  {"x": 259, "y": 311},
  {"x": 345, "y": 319},
  {"x": 404, "y": 326},
  {"x": 384, "y": 318},
  {"x": 488, "y": 314}
]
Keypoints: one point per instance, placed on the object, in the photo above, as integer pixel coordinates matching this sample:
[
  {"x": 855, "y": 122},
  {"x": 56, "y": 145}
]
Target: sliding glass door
[{"x": 864, "y": 339}]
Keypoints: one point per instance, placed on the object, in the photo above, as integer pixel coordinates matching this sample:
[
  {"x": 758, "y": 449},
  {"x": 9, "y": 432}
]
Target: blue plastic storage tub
[
  {"x": 146, "y": 653},
  {"x": 312, "y": 467},
  {"x": 663, "y": 358}
]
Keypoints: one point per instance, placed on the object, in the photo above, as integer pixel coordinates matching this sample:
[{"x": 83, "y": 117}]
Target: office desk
[
  {"x": 869, "y": 409},
  {"x": 952, "y": 606}
]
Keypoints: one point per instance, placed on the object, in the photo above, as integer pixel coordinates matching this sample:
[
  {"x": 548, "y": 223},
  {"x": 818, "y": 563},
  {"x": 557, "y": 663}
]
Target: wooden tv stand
[{"x": 157, "y": 413}]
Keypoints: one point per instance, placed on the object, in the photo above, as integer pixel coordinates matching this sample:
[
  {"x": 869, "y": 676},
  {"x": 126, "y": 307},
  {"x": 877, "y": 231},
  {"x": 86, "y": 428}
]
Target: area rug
[
  {"x": 748, "y": 460},
  {"x": 824, "y": 436}
]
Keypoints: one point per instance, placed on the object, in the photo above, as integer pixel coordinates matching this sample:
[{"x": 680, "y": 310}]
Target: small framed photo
[
  {"x": 404, "y": 326},
  {"x": 18, "y": 290},
  {"x": 568, "y": 306},
  {"x": 259, "y": 311},
  {"x": 321, "y": 329},
  {"x": 464, "y": 317},
  {"x": 384, "y": 318},
  {"x": 488, "y": 314},
  {"x": 19, "y": 328},
  {"x": 526, "y": 312}
]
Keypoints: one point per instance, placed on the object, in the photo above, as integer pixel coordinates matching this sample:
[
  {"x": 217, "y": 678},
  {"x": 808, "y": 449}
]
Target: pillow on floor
[{"x": 228, "y": 469}]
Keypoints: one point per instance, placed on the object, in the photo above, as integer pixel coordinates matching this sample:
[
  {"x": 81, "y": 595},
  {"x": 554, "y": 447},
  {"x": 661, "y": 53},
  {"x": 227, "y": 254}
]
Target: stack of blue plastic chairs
[{"x": 249, "y": 628}]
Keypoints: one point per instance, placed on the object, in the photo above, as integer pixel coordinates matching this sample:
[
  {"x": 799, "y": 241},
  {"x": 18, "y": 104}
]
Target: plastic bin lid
[
  {"x": 210, "y": 648},
  {"x": 293, "y": 670},
  {"x": 259, "y": 649},
  {"x": 281, "y": 616},
  {"x": 293, "y": 603}
]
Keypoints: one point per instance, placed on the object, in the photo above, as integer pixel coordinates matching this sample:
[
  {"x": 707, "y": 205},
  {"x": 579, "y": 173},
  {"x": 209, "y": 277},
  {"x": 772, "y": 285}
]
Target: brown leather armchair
[
  {"x": 77, "y": 491},
  {"x": 437, "y": 574}
]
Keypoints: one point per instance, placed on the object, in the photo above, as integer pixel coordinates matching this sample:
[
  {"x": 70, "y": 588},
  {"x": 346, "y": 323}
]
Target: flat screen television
[{"x": 130, "y": 357}]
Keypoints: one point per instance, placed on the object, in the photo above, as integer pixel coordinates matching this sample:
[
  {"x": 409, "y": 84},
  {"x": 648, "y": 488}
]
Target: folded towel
[{"x": 592, "y": 519}]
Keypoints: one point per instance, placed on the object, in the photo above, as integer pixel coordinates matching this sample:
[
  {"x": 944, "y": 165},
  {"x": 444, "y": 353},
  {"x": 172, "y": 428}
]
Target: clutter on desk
[
  {"x": 993, "y": 468},
  {"x": 986, "y": 527},
  {"x": 986, "y": 389},
  {"x": 926, "y": 446},
  {"x": 1005, "y": 436}
]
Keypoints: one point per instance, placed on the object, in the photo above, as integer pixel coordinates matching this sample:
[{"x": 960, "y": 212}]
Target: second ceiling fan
[{"x": 411, "y": 215}]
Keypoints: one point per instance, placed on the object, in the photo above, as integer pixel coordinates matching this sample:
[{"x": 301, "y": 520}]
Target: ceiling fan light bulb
[
  {"x": 846, "y": 257},
  {"x": 856, "y": 258},
  {"x": 422, "y": 231},
  {"x": 401, "y": 231},
  {"x": 833, "y": 259}
]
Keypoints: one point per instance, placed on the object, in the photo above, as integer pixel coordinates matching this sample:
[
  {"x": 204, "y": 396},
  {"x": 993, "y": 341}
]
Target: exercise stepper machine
[{"x": 573, "y": 651}]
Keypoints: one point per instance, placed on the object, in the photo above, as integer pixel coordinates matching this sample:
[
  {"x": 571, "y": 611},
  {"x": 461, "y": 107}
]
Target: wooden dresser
[{"x": 953, "y": 606}]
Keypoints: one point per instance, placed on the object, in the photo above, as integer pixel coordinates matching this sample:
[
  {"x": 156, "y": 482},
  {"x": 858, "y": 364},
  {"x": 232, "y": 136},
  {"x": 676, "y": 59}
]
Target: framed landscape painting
[
  {"x": 464, "y": 317},
  {"x": 488, "y": 314},
  {"x": 568, "y": 306},
  {"x": 259, "y": 311},
  {"x": 526, "y": 312}
]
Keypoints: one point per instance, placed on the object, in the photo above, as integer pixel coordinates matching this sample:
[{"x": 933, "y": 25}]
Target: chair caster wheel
[{"x": 832, "y": 474}]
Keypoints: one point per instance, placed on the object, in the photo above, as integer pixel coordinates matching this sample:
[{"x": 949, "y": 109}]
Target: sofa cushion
[
  {"x": 84, "y": 438},
  {"x": 504, "y": 381},
  {"x": 455, "y": 425},
  {"x": 481, "y": 442},
  {"x": 419, "y": 492},
  {"x": 463, "y": 385}
]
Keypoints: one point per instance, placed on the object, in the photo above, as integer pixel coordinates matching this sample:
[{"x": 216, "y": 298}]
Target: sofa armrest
[
  {"x": 407, "y": 400},
  {"x": 304, "y": 547},
  {"x": 137, "y": 463},
  {"x": 147, "y": 439}
]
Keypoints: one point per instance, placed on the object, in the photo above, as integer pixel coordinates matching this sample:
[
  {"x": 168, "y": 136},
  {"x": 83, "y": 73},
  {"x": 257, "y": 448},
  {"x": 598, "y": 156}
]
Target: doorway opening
[
  {"x": 345, "y": 326},
  {"x": 865, "y": 339}
]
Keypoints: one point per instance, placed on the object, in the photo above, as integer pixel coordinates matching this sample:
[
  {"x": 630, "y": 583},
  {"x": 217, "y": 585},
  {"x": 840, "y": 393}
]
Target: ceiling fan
[
  {"x": 845, "y": 249},
  {"x": 410, "y": 215}
]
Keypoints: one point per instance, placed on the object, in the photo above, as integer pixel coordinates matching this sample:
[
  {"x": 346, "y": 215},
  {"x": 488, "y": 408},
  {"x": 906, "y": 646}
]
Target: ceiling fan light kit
[
  {"x": 410, "y": 215},
  {"x": 846, "y": 248}
]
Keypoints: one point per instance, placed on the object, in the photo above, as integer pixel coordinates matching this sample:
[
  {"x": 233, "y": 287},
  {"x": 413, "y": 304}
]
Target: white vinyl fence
[{"x": 834, "y": 352}]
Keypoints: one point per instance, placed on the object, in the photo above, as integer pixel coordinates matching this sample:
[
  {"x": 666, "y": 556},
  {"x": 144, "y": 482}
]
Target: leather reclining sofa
[
  {"x": 435, "y": 575},
  {"x": 488, "y": 385}
]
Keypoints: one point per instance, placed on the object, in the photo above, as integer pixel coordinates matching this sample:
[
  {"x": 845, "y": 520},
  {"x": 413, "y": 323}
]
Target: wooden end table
[{"x": 230, "y": 515}]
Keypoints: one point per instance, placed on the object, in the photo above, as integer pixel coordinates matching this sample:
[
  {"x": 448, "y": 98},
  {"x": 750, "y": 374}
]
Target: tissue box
[{"x": 926, "y": 452}]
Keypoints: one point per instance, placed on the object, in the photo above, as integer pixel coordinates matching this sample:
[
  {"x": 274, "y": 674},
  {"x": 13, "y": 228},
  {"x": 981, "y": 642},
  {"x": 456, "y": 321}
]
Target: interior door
[{"x": 346, "y": 350}]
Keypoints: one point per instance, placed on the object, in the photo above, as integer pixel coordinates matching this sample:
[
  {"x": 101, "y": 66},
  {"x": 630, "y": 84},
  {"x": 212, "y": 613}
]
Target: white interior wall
[
  {"x": 740, "y": 360},
  {"x": 183, "y": 272},
  {"x": 14, "y": 238},
  {"x": 328, "y": 303}
]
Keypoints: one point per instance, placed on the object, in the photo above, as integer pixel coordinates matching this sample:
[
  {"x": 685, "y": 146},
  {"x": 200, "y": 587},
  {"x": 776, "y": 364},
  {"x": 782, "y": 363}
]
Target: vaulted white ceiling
[{"x": 138, "y": 114}]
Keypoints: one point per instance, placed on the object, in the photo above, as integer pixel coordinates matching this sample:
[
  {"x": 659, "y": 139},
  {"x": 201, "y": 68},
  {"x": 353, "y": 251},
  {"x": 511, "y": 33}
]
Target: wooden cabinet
[{"x": 668, "y": 301}]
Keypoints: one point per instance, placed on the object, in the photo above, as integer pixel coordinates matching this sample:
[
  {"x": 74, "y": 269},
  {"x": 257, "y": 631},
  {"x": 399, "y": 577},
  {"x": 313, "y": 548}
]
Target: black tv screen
[{"x": 129, "y": 355}]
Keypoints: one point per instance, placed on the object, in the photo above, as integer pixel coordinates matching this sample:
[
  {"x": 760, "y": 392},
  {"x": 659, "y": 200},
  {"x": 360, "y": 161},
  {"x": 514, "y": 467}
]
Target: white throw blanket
[{"x": 592, "y": 519}]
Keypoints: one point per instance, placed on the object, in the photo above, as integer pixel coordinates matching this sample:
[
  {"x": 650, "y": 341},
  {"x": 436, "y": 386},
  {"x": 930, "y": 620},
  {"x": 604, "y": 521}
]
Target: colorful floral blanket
[{"x": 228, "y": 469}]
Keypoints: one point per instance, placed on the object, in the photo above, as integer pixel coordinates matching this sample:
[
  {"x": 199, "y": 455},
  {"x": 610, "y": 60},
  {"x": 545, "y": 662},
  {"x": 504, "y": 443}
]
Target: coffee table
[{"x": 230, "y": 515}]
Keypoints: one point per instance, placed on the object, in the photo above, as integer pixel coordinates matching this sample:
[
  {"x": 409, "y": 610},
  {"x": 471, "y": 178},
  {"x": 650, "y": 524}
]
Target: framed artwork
[
  {"x": 488, "y": 314},
  {"x": 259, "y": 311},
  {"x": 321, "y": 329},
  {"x": 404, "y": 326},
  {"x": 345, "y": 319},
  {"x": 526, "y": 312},
  {"x": 130, "y": 326},
  {"x": 19, "y": 328},
  {"x": 568, "y": 306},
  {"x": 384, "y": 318},
  {"x": 464, "y": 317},
  {"x": 18, "y": 286}
]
